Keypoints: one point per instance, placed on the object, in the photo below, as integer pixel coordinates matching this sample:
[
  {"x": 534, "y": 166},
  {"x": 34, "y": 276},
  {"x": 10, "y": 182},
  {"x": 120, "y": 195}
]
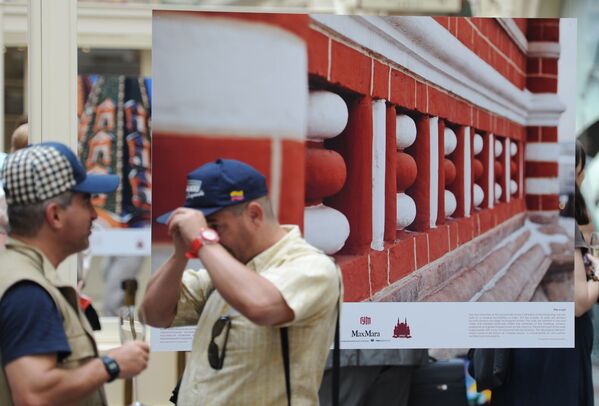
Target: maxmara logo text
[{"x": 365, "y": 333}]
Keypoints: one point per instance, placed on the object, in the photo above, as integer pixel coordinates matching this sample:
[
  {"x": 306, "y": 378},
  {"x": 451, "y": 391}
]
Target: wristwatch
[
  {"x": 206, "y": 236},
  {"x": 112, "y": 367}
]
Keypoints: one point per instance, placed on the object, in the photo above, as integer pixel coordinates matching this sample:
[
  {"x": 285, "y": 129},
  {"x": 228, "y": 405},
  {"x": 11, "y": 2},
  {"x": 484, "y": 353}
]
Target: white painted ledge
[
  {"x": 512, "y": 29},
  {"x": 542, "y": 49},
  {"x": 545, "y": 109}
]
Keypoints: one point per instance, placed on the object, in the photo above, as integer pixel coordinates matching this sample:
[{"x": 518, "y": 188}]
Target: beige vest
[{"x": 21, "y": 262}]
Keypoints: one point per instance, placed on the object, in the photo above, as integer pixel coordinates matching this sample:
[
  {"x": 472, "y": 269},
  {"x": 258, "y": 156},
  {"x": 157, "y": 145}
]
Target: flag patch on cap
[{"x": 237, "y": 195}]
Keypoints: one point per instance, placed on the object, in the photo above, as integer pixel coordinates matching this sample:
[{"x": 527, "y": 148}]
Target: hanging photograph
[{"x": 420, "y": 153}]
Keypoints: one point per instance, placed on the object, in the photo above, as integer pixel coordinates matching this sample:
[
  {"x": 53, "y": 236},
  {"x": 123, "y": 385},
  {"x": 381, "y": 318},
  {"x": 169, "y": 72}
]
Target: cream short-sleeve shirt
[{"x": 253, "y": 372}]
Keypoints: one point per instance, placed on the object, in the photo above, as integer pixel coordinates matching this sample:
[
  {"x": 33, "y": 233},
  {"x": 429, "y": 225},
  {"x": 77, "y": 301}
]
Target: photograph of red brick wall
[{"x": 420, "y": 152}]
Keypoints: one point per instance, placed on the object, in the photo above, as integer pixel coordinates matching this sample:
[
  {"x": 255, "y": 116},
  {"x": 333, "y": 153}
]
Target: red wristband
[
  {"x": 194, "y": 249},
  {"x": 205, "y": 237}
]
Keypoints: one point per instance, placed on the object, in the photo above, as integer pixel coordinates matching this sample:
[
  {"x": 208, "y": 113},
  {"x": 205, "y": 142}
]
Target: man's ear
[
  {"x": 54, "y": 216},
  {"x": 255, "y": 212}
]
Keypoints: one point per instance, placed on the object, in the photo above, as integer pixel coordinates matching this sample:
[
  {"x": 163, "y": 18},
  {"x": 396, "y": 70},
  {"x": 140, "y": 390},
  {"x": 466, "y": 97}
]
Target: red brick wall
[
  {"x": 359, "y": 76},
  {"x": 542, "y": 72},
  {"x": 364, "y": 74},
  {"x": 487, "y": 39},
  {"x": 522, "y": 23},
  {"x": 543, "y": 29}
]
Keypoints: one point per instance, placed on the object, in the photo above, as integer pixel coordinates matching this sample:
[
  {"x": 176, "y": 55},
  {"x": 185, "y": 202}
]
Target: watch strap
[{"x": 194, "y": 249}]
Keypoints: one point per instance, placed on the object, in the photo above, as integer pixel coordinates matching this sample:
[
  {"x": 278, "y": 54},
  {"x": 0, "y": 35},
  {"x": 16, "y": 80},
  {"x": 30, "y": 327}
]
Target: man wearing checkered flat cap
[
  {"x": 262, "y": 281},
  {"x": 47, "y": 349}
]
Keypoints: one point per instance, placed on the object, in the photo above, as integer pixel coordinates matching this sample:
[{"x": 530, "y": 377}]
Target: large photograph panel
[{"x": 421, "y": 153}]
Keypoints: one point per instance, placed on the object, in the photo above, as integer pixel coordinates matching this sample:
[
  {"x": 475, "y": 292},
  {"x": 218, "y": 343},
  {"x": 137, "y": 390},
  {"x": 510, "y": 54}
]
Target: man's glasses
[{"x": 216, "y": 357}]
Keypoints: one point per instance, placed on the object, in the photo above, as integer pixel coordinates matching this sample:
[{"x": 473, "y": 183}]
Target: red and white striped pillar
[
  {"x": 499, "y": 170},
  {"x": 462, "y": 186},
  {"x": 478, "y": 194},
  {"x": 541, "y": 181},
  {"x": 391, "y": 175},
  {"x": 324, "y": 227},
  {"x": 229, "y": 96},
  {"x": 355, "y": 198},
  {"x": 542, "y": 150},
  {"x": 515, "y": 169},
  {"x": 487, "y": 181},
  {"x": 425, "y": 190},
  {"x": 450, "y": 142},
  {"x": 406, "y": 170}
]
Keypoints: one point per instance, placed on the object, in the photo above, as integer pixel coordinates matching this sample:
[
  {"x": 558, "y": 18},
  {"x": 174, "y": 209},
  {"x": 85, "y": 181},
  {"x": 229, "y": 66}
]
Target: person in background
[
  {"x": 373, "y": 377},
  {"x": 3, "y": 215},
  {"x": 586, "y": 288},
  {"x": 116, "y": 269},
  {"x": 560, "y": 376},
  {"x": 19, "y": 138},
  {"x": 47, "y": 347}
]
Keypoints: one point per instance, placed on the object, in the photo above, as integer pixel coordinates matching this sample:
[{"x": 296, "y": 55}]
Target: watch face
[
  {"x": 209, "y": 235},
  {"x": 112, "y": 367}
]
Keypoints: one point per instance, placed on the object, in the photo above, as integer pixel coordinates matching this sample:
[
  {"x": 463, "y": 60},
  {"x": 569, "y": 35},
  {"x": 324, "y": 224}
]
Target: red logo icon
[
  {"x": 402, "y": 330},
  {"x": 365, "y": 320}
]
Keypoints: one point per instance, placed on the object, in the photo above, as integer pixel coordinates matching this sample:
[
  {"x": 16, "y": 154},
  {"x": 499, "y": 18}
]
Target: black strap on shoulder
[
  {"x": 285, "y": 348},
  {"x": 336, "y": 364},
  {"x": 336, "y": 354}
]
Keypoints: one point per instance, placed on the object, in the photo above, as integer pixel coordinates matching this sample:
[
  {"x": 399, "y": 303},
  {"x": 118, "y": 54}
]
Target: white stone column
[
  {"x": 379, "y": 132},
  {"x": 52, "y": 55},
  {"x": 506, "y": 166},
  {"x": 434, "y": 171}
]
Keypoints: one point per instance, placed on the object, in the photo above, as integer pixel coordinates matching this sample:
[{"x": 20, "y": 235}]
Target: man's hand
[
  {"x": 132, "y": 358},
  {"x": 184, "y": 225}
]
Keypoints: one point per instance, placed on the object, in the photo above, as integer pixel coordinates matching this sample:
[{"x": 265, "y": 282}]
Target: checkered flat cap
[{"x": 43, "y": 171}]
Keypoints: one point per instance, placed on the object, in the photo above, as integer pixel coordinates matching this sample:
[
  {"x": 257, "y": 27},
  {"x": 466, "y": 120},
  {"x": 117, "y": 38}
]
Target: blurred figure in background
[
  {"x": 373, "y": 377},
  {"x": 115, "y": 270},
  {"x": 560, "y": 376},
  {"x": 19, "y": 138},
  {"x": 3, "y": 215}
]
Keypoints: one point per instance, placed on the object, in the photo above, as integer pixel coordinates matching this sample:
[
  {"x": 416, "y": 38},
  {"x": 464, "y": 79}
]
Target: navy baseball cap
[
  {"x": 42, "y": 171},
  {"x": 220, "y": 184}
]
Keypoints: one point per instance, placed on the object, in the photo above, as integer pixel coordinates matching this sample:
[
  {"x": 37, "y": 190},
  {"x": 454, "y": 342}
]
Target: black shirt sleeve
[{"x": 30, "y": 324}]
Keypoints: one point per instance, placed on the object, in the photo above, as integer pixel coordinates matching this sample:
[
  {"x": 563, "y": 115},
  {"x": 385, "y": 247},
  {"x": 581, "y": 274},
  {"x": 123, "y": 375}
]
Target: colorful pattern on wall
[{"x": 114, "y": 137}]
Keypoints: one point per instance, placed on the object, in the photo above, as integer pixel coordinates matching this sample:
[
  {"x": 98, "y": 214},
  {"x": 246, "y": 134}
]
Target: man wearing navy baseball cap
[
  {"x": 263, "y": 288},
  {"x": 47, "y": 347}
]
